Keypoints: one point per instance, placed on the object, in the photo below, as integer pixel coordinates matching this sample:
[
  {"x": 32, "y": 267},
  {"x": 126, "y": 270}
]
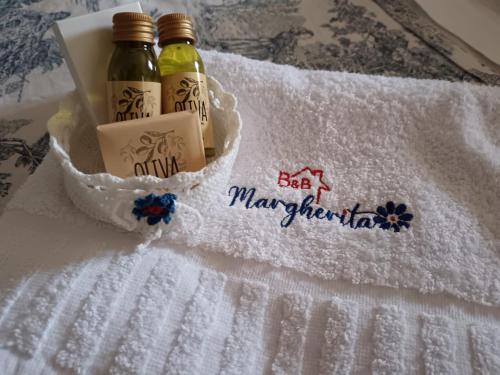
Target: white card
[{"x": 86, "y": 42}]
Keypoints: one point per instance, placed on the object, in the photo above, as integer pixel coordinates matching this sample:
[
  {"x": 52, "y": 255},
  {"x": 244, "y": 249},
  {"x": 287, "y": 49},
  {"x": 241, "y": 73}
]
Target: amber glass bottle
[
  {"x": 184, "y": 84},
  {"x": 134, "y": 82}
]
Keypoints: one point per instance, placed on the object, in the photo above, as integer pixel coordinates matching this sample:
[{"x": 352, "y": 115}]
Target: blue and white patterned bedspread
[{"x": 354, "y": 35}]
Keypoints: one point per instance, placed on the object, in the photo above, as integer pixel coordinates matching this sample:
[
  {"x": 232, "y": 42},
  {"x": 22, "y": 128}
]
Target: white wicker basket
[{"x": 111, "y": 199}]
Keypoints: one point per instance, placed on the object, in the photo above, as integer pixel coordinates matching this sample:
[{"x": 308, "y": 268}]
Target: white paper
[{"x": 86, "y": 42}]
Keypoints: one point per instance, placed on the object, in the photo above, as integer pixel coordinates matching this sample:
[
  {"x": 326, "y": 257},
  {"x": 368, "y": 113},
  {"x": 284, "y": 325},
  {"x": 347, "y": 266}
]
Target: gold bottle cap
[
  {"x": 175, "y": 26},
  {"x": 130, "y": 26}
]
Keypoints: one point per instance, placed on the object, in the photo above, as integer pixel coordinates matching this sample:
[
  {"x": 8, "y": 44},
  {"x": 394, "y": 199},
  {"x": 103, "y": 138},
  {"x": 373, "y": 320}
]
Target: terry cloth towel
[{"x": 359, "y": 234}]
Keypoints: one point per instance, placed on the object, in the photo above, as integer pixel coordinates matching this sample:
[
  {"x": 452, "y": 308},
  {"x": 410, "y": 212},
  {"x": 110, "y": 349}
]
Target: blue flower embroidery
[
  {"x": 155, "y": 208},
  {"x": 393, "y": 217}
]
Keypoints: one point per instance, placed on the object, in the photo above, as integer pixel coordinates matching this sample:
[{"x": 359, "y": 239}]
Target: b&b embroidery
[
  {"x": 305, "y": 179},
  {"x": 390, "y": 216}
]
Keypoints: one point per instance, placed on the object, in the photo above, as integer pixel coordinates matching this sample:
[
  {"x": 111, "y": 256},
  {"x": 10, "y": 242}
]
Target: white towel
[{"x": 261, "y": 287}]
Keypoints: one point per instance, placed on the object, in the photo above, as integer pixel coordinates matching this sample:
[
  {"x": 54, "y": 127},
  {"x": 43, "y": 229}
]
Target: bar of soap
[{"x": 160, "y": 146}]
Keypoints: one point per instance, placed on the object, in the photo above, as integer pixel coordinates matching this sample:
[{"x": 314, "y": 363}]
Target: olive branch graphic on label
[
  {"x": 132, "y": 96},
  {"x": 189, "y": 87},
  {"x": 163, "y": 143}
]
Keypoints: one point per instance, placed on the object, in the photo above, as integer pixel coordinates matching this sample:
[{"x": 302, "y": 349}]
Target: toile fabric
[{"x": 357, "y": 233}]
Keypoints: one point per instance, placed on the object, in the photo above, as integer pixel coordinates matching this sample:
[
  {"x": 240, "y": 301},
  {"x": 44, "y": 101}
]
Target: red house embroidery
[{"x": 305, "y": 179}]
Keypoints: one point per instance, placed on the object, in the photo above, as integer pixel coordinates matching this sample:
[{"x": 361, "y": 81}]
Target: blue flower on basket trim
[
  {"x": 155, "y": 208},
  {"x": 392, "y": 217}
]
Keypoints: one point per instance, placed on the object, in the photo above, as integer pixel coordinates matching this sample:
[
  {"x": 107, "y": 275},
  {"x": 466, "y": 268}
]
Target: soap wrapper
[{"x": 160, "y": 146}]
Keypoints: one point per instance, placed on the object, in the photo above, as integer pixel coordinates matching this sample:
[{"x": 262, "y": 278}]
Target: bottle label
[
  {"x": 130, "y": 100},
  {"x": 188, "y": 91}
]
